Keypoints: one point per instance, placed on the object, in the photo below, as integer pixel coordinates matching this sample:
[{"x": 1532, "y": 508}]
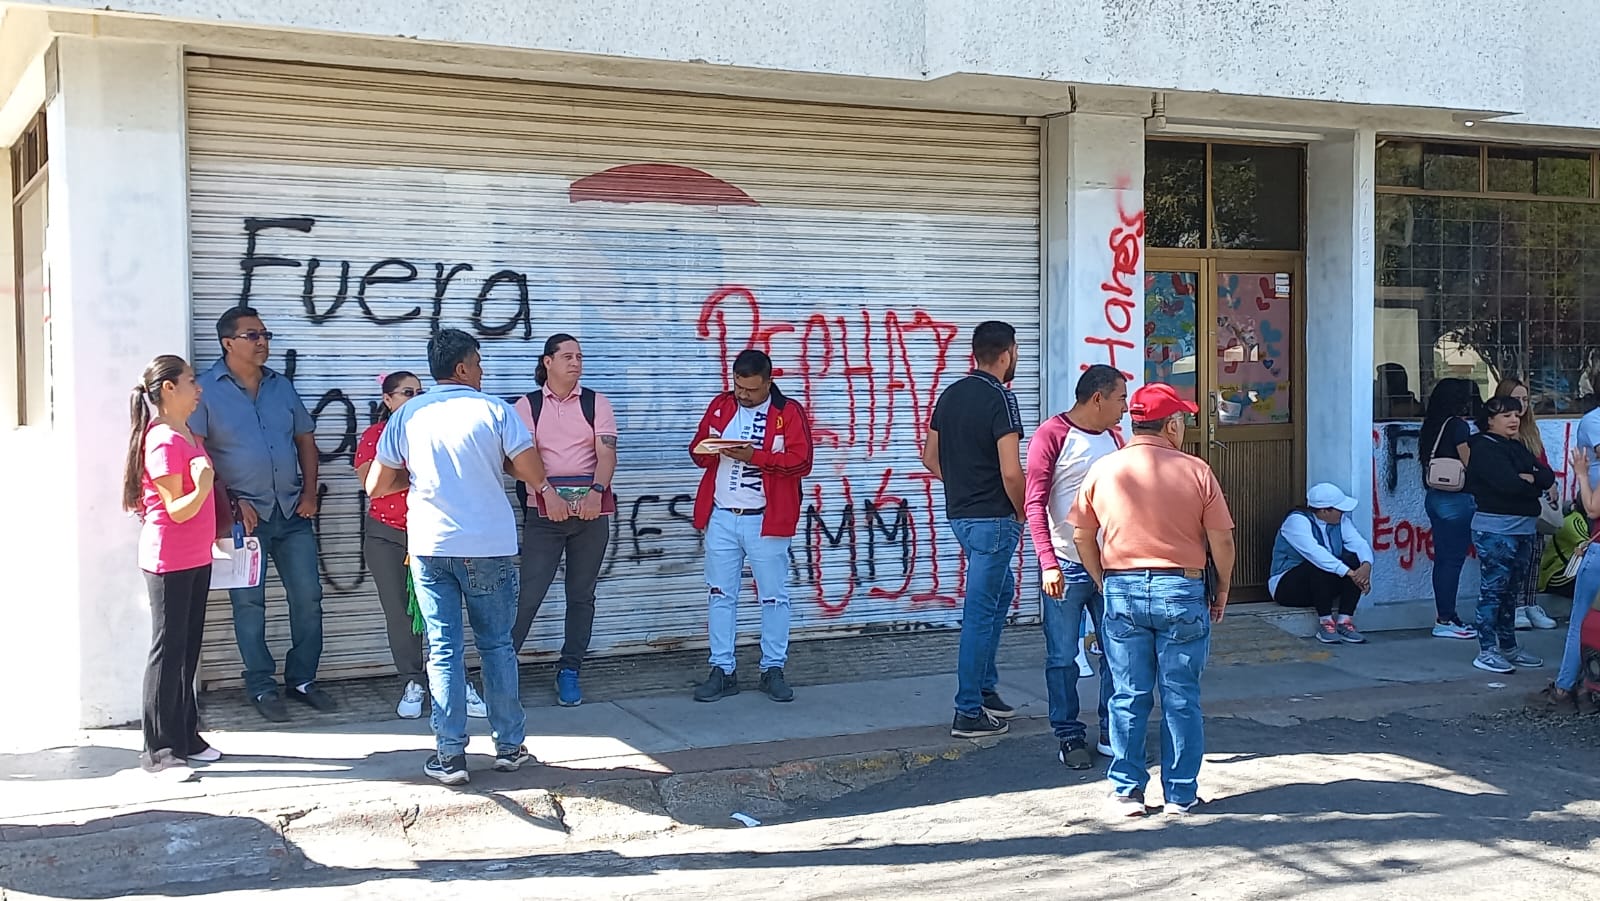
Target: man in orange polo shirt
[{"x": 1143, "y": 523}]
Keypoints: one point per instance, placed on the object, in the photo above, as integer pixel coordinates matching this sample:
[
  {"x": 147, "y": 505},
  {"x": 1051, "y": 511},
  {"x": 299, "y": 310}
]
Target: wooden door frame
[{"x": 1207, "y": 264}]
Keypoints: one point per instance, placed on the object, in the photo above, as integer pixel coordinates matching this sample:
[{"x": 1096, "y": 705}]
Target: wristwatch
[
  {"x": 597, "y": 487},
  {"x": 545, "y": 487}
]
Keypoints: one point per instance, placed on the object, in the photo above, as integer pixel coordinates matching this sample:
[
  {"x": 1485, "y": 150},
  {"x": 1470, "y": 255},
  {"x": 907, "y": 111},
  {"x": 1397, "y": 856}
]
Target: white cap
[{"x": 1328, "y": 496}]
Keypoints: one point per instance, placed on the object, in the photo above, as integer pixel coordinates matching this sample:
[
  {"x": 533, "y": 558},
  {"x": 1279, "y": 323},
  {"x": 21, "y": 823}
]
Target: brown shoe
[
  {"x": 1554, "y": 700},
  {"x": 1588, "y": 702}
]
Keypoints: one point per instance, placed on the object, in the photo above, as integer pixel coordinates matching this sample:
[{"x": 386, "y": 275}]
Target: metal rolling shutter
[{"x": 668, "y": 232}]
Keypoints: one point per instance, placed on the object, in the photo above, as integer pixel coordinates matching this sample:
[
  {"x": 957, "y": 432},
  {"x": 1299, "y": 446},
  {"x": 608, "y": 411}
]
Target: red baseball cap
[{"x": 1158, "y": 401}]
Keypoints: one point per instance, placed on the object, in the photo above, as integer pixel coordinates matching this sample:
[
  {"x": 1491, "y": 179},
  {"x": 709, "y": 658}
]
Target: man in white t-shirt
[
  {"x": 449, "y": 448},
  {"x": 755, "y": 446},
  {"x": 1059, "y": 457}
]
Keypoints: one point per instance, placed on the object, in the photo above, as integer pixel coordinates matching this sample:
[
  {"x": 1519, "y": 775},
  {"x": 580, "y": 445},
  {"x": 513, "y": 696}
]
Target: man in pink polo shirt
[
  {"x": 575, "y": 433},
  {"x": 1144, "y": 523}
]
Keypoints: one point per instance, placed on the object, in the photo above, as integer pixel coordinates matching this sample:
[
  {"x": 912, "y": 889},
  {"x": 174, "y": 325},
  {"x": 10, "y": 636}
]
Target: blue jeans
[
  {"x": 990, "y": 545},
  {"x": 489, "y": 586},
  {"x": 730, "y": 541},
  {"x": 1504, "y": 560},
  {"x": 292, "y": 544},
  {"x": 1063, "y": 625},
  {"x": 1583, "y": 592},
  {"x": 1156, "y": 635},
  {"x": 1450, "y": 516}
]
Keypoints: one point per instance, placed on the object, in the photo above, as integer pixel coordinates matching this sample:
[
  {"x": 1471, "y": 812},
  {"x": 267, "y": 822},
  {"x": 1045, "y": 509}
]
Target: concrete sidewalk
[{"x": 621, "y": 767}]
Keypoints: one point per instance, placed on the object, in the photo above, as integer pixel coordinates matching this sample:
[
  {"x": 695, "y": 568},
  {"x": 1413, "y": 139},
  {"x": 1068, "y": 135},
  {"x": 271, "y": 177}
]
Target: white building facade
[{"x": 1304, "y": 214}]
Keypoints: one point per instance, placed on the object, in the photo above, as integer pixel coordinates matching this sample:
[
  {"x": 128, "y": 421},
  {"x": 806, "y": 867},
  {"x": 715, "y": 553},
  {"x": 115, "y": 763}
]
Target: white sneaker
[
  {"x": 1539, "y": 618},
  {"x": 475, "y": 706},
  {"x": 209, "y": 755},
  {"x": 1522, "y": 624},
  {"x": 1125, "y": 806},
  {"x": 410, "y": 706},
  {"x": 1455, "y": 630}
]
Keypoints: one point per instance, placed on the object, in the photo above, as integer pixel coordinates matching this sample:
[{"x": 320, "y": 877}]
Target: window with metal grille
[
  {"x": 30, "y": 314},
  {"x": 1488, "y": 267}
]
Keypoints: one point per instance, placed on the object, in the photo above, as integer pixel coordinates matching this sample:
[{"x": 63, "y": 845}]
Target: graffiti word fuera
[
  {"x": 1126, "y": 241},
  {"x": 505, "y": 286}
]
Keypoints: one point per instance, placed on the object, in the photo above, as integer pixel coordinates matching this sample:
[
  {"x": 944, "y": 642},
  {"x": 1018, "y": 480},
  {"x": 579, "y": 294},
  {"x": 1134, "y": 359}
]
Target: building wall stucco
[
  {"x": 119, "y": 264},
  {"x": 1485, "y": 55}
]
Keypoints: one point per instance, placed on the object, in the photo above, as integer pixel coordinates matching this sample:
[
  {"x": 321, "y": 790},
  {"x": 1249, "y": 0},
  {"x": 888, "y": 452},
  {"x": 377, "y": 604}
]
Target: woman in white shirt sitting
[{"x": 1320, "y": 560}]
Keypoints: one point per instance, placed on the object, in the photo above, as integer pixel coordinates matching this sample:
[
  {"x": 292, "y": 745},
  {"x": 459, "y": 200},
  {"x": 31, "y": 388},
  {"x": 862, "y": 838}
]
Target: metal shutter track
[{"x": 917, "y": 225}]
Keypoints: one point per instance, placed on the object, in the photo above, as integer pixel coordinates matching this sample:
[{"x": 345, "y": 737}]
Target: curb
[{"x": 380, "y": 828}]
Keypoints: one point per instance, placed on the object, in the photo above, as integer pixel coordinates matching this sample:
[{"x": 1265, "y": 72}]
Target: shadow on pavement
[{"x": 1302, "y": 817}]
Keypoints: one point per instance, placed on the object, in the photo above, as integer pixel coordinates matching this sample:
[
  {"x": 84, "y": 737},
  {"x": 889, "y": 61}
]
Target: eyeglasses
[
  {"x": 253, "y": 337},
  {"x": 411, "y": 392}
]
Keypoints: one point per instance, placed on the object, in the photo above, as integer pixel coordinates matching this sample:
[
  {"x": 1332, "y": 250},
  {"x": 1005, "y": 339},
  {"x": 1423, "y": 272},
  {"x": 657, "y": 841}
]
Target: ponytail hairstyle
[
  {"x": 389, "y": 384},
  {"x": 551, "y": 345},
  {"x": 163, "y": 369}
]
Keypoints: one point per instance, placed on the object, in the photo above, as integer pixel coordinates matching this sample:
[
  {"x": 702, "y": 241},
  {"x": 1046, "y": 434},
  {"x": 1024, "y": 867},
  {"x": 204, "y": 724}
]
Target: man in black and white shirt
[{"x": 755, "y": 446}]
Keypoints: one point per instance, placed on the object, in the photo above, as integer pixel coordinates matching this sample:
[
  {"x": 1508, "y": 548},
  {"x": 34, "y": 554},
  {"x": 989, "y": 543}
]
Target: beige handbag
[{"x": 1444, "y": 473}]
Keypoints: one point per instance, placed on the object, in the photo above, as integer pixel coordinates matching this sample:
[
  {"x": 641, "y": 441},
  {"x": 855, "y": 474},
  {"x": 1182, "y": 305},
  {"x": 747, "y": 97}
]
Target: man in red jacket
[{"x": 755, "y": 446}]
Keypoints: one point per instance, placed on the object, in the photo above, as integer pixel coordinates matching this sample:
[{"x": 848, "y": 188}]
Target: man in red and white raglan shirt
[
  {"x": 1059, "y": 457},
  {"x": 748, "y": 507}
]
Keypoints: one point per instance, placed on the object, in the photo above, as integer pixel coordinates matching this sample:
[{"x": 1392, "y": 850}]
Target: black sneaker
[
  {"x": 1075, "y": 754},
  {"x": 509, "y": 760},
  {"x": 718, "y": 685},
  {"x": 773, "y": 683},
  {"x": 997, "y": 708},
  {"x": 450, "y": 770},
  {"x": 270, "y": 706},
  {"x": 1103, "y": 746},
  {"x": 977, "y": 726},
  {"x": 315, "y": 698}
]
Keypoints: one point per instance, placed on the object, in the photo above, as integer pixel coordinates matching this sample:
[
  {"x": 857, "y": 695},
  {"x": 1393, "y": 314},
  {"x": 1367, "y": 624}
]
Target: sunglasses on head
[
  {"x": 253, "y": 336},
  {"x": 410, "y": 392}
]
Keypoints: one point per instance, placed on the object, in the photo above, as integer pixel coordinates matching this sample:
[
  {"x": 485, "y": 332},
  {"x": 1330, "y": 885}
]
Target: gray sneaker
[
  {"x": 1519, "y": 657},
  {"x": 1493, "y": 662},
  {"x": 1348, "y": 634}
]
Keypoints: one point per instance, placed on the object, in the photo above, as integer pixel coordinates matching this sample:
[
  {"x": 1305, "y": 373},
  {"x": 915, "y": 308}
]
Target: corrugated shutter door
[{"x": 357, "y": 209}]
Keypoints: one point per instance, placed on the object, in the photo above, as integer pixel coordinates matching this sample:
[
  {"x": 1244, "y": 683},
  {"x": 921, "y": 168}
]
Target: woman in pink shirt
[{"x": 167, "y": 481}]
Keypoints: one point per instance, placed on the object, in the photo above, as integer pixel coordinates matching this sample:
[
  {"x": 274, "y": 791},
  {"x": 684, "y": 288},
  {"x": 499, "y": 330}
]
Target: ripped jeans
[{"x": 731, "y": 540}]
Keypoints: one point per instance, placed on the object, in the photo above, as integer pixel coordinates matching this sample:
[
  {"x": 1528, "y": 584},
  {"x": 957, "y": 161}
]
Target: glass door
[{"x": 1226, "y": 330}]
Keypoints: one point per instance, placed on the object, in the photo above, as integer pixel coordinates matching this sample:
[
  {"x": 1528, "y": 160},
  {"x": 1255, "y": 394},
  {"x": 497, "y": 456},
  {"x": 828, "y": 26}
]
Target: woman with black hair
[
  {"x": 383, "y": 543},
  {"x": 1446, "y": 431},
  {"x": 168, "y": 480},
  {"x": 1505, "y": 480}
]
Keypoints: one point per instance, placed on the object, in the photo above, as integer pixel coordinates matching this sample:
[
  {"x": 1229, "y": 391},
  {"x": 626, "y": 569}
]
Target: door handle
[{"x": 1218, "y": 444}]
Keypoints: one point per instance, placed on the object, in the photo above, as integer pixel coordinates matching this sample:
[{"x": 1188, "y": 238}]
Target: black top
[
  {"x": 970, "y": 417},
  {"x": 1454, "y": 432},
  {"x": 1494, "y": 476}
]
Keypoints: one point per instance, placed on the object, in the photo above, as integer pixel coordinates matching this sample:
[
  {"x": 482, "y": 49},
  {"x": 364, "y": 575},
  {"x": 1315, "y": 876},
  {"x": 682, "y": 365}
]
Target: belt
[
  {"x": 744, "y": 511},
  {"x": 1173, "y": 571}
]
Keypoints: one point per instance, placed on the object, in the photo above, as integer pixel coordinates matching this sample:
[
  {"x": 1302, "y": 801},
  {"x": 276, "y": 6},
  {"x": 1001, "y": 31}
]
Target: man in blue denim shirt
[
  {"x": 1143, "y": 523},
  {"x": 260, "y": 439},
  {"x": 450, "y": 447},
  {"x": 974, "y": 442}
]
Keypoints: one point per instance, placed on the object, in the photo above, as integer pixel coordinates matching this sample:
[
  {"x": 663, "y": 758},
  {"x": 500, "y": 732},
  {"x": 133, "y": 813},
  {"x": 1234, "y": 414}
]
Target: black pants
[
  {"x": 544, "y": 542},
  {"x": 1308, "y": 586},
  {"x": 385, "y": 550},
  {"x": 178, "y": 624}
]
